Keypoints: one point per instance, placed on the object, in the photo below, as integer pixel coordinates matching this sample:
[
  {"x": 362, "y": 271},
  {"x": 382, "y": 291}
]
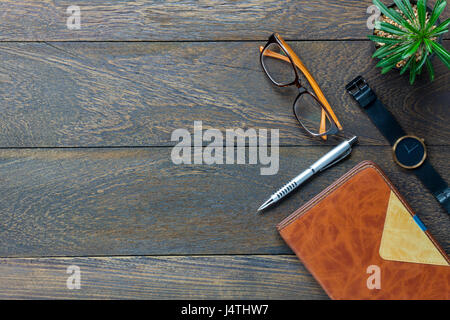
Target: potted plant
[{"x": 408, "y": 35}]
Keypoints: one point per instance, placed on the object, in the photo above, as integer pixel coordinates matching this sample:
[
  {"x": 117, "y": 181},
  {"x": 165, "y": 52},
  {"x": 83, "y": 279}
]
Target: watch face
[{"x": 409, "y": 152}]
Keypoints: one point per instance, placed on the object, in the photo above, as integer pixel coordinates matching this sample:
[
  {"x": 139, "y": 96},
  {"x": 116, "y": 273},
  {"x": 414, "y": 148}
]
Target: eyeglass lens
[
  {"x": 309, "y": 112},
  {"x": 280, "y": 71}
]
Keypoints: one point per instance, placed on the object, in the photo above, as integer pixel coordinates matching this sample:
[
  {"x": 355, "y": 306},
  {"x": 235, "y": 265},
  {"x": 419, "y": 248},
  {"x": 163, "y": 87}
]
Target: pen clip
[{"x": 337, "y": 160}]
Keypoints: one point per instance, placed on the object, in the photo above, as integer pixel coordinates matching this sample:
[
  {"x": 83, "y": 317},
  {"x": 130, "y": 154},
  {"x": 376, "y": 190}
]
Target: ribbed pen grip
[{"x": 286, "y": 189}]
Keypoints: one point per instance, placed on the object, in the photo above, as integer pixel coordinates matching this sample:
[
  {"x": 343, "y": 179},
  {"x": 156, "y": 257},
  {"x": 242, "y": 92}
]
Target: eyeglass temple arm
[{"x": 311, "y": 80}]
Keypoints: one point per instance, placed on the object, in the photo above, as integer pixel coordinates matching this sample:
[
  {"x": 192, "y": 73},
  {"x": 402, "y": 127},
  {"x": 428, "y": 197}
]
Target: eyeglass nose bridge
[{"x": 301, "y": 89}]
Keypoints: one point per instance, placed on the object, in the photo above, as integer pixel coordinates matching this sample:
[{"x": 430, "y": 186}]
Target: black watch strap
[
  {"x": 433, "y": 182},
  {"x": 392, "y": 131},
  {"x": 380, "y": 116}
]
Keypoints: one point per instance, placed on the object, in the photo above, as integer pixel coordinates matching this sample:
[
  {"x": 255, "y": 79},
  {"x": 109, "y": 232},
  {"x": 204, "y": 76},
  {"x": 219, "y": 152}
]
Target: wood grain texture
[
  {"x": 121, "y": 85},
  {"x": 136, "y": 94},
  {"x": 90, "y": 202},
  {"x": 126, "y": 20},
  {"x": 160, "y": 277}
]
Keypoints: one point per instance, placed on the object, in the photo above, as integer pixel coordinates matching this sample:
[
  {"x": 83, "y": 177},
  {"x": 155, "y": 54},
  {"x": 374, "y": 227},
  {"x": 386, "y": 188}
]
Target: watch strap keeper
[
  {"x": 434, "y": 183},
  {"x": 377, "y": 112}
]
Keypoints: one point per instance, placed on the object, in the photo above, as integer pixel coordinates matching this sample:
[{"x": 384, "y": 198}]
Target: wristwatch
[{"x": 410, "y": 152}]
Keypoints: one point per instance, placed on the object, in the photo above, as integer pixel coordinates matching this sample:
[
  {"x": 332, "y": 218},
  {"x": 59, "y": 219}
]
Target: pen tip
[{"x": 265, "y": 205}]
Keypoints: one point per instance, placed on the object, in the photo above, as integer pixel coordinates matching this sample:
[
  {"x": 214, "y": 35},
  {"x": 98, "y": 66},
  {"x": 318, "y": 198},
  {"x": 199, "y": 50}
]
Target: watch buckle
[{"x": 360, "y": 91}]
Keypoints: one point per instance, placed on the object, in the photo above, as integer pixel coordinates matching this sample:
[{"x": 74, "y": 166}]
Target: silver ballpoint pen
[{"x": 334, "y": 156}]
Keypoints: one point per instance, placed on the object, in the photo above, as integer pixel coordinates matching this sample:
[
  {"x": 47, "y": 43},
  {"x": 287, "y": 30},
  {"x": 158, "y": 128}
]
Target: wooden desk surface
[{"x": 85, "y": 136}]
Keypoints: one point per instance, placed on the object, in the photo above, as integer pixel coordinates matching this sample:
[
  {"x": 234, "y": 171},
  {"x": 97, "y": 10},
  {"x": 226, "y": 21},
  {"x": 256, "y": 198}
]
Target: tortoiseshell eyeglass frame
[{"x": 296, "y": 64}]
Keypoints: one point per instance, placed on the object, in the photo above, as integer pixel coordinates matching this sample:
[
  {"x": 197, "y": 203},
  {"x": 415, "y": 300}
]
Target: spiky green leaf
[
  {"x": 412, "y": 72},
  {"x": 382, "y": 51},
  {"x": 410, "y": 10},
  {"x": 430, "y": 69},
  {"x": 406, "y": 66},
  {"x": 393, "y": 49},
  {"x": 443, "y": 59},
  {"x": 412, "y": 49},
  {"x": 404, "y": 9},
  {"x": 390, "y": 60},
  {"x": 439, "y": 33},
  {"x": 422, "y": 62},
  {"x": 402, "y": 21},
  {"x": 422, "y": 12},
  {"x": 437, "y": 10},
  {"x": 390, "y": 50},
  {"x": 440, "y": 51},
  {"x": 427, "y": 43},
  {"x": 389, "y": 28},
  {"x": 387, "y": 69},
  {"x": 384, "y": 10},
  {"x": 385, "y": 40},
  {"x": 443, "y": 26}
]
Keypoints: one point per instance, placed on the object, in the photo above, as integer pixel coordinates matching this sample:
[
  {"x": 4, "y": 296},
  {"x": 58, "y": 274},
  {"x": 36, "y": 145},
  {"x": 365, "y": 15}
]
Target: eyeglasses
[{"x": 280, "y": 63}]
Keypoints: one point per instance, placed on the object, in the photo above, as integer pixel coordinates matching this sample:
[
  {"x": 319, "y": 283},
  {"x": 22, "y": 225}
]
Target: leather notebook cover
[{"x": 361, "y": 226}]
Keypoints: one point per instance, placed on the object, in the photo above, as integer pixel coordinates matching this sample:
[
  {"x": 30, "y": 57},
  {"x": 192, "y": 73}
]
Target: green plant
[{"x": 408, "y": 35}]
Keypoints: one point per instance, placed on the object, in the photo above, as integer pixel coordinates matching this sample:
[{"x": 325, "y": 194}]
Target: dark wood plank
[
  {"x": 179, "y": 277},
  {"x": 137, "y": 202},
  {"x": 136, "y": 94},
  {"x": 126, "y": 20}
]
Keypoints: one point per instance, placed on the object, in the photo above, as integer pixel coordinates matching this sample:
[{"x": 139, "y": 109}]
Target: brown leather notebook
[{"x": 361, "y": 240}]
